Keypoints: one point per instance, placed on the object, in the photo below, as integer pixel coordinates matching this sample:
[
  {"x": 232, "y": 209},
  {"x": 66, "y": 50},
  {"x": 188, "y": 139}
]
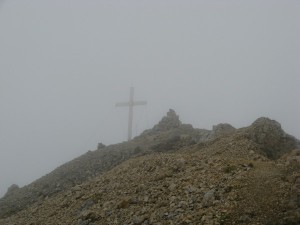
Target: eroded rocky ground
[{"x": 182, "y": 175}]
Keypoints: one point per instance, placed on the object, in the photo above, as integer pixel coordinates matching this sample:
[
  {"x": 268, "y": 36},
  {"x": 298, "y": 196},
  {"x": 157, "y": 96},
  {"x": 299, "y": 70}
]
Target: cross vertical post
[
  {"x": 130, "y": 119},
  {"x": 130, "y": 105}
]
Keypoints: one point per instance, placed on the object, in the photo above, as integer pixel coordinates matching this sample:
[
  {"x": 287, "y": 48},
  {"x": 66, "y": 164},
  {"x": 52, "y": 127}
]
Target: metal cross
[{"x": 131, "y": 104}]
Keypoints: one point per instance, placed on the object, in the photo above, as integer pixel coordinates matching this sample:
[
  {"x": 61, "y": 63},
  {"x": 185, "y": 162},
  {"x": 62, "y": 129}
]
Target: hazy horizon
[{"x": 64, "y": 65}]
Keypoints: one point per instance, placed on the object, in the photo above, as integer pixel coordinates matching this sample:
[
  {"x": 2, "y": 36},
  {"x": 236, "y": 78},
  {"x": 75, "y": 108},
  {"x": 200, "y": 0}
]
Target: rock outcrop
[
  {"x": 168, "y": 122},
  {"x": 273, "y": 140},
  {"x": 222, "y": 129},
  {"x": 12, "y": 189}
]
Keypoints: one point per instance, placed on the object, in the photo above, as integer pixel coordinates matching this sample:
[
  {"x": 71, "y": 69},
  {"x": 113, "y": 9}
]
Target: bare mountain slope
[
  {"x": 168, "y": 135},
  {"x": 173, "y": 176}
]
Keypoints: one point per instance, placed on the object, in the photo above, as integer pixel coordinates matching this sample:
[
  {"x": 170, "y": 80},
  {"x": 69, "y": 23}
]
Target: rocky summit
[{"x": 170, "y": 174}]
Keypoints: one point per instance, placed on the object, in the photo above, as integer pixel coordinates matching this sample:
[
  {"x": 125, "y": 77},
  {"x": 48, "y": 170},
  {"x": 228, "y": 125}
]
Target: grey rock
[
  {"x": 138, "y": 220},
  {"x": 209, "y": 198},
  {"x": 100, "y": 146},
  {"x": 222, "y": 129},
  {"x": 12, "y": 189},
  {"x": 273, "y": 140},
  {"x": 244, "y": 218},
  {"x": 87, "y": 204},
  {"x": 168, "y": 122}
]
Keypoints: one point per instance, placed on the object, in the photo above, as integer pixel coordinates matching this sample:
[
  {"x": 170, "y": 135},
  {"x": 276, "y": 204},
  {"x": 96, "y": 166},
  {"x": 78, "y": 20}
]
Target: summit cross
[{"x": 130, "y": 105}]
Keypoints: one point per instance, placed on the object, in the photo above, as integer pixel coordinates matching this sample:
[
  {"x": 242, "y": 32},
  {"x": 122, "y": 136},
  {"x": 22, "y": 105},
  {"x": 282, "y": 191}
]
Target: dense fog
[{"x": 65, "y": 64}]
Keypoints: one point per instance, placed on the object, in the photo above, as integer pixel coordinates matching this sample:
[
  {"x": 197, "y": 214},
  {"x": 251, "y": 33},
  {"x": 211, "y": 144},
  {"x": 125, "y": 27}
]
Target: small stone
[
  {"x": 244, "y": 218},
  {"x": 87, "y": 214},
  {"x": 146, "y": 199},
  {"x": 173, "y": 198},
  {"x": 124, "y": 203},
  {"x": 76, "y": 188},
  {"x": 172, "y": 187},
  {"x": 208, "y": 198},
  {"x": 138, "y": 220}
]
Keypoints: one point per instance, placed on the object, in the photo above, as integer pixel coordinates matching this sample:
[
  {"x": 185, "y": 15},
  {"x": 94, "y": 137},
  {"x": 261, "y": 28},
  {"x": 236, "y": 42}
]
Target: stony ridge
[
  {"x": 264, "y": 136},
  {"x": 226, "y": 181},
  {"x": 92, "y": 163}
]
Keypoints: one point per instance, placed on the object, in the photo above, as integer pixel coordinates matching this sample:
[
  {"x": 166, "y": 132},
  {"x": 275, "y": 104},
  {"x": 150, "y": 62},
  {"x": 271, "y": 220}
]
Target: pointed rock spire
[{"x": 170, "y": 121}]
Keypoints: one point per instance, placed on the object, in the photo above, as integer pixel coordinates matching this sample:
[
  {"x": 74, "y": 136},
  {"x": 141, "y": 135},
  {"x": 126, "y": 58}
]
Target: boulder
[
  {"x": 273, "y": 140},
  {"x": 222, "y": 129}
]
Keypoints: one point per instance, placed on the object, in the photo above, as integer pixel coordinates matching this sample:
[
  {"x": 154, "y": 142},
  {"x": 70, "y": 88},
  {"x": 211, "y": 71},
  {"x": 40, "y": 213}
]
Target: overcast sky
[{"x": 65, "y": 63}]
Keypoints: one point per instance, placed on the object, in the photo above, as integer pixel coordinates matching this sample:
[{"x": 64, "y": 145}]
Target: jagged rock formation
[
  {"x": 171, "y": 174},
  {"x": 168, "y": 122},
  {"x": 100, "y": 145},
  {"x": 273, "y": 140},
  {"x": 12, "y": 189}
]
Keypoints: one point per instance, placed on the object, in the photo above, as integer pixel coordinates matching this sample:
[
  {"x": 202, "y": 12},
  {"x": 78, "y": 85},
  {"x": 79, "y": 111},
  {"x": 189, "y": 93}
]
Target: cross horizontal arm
[
  {"x": 123, "y": 104},
  {"x": 133, "y": 104}
]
